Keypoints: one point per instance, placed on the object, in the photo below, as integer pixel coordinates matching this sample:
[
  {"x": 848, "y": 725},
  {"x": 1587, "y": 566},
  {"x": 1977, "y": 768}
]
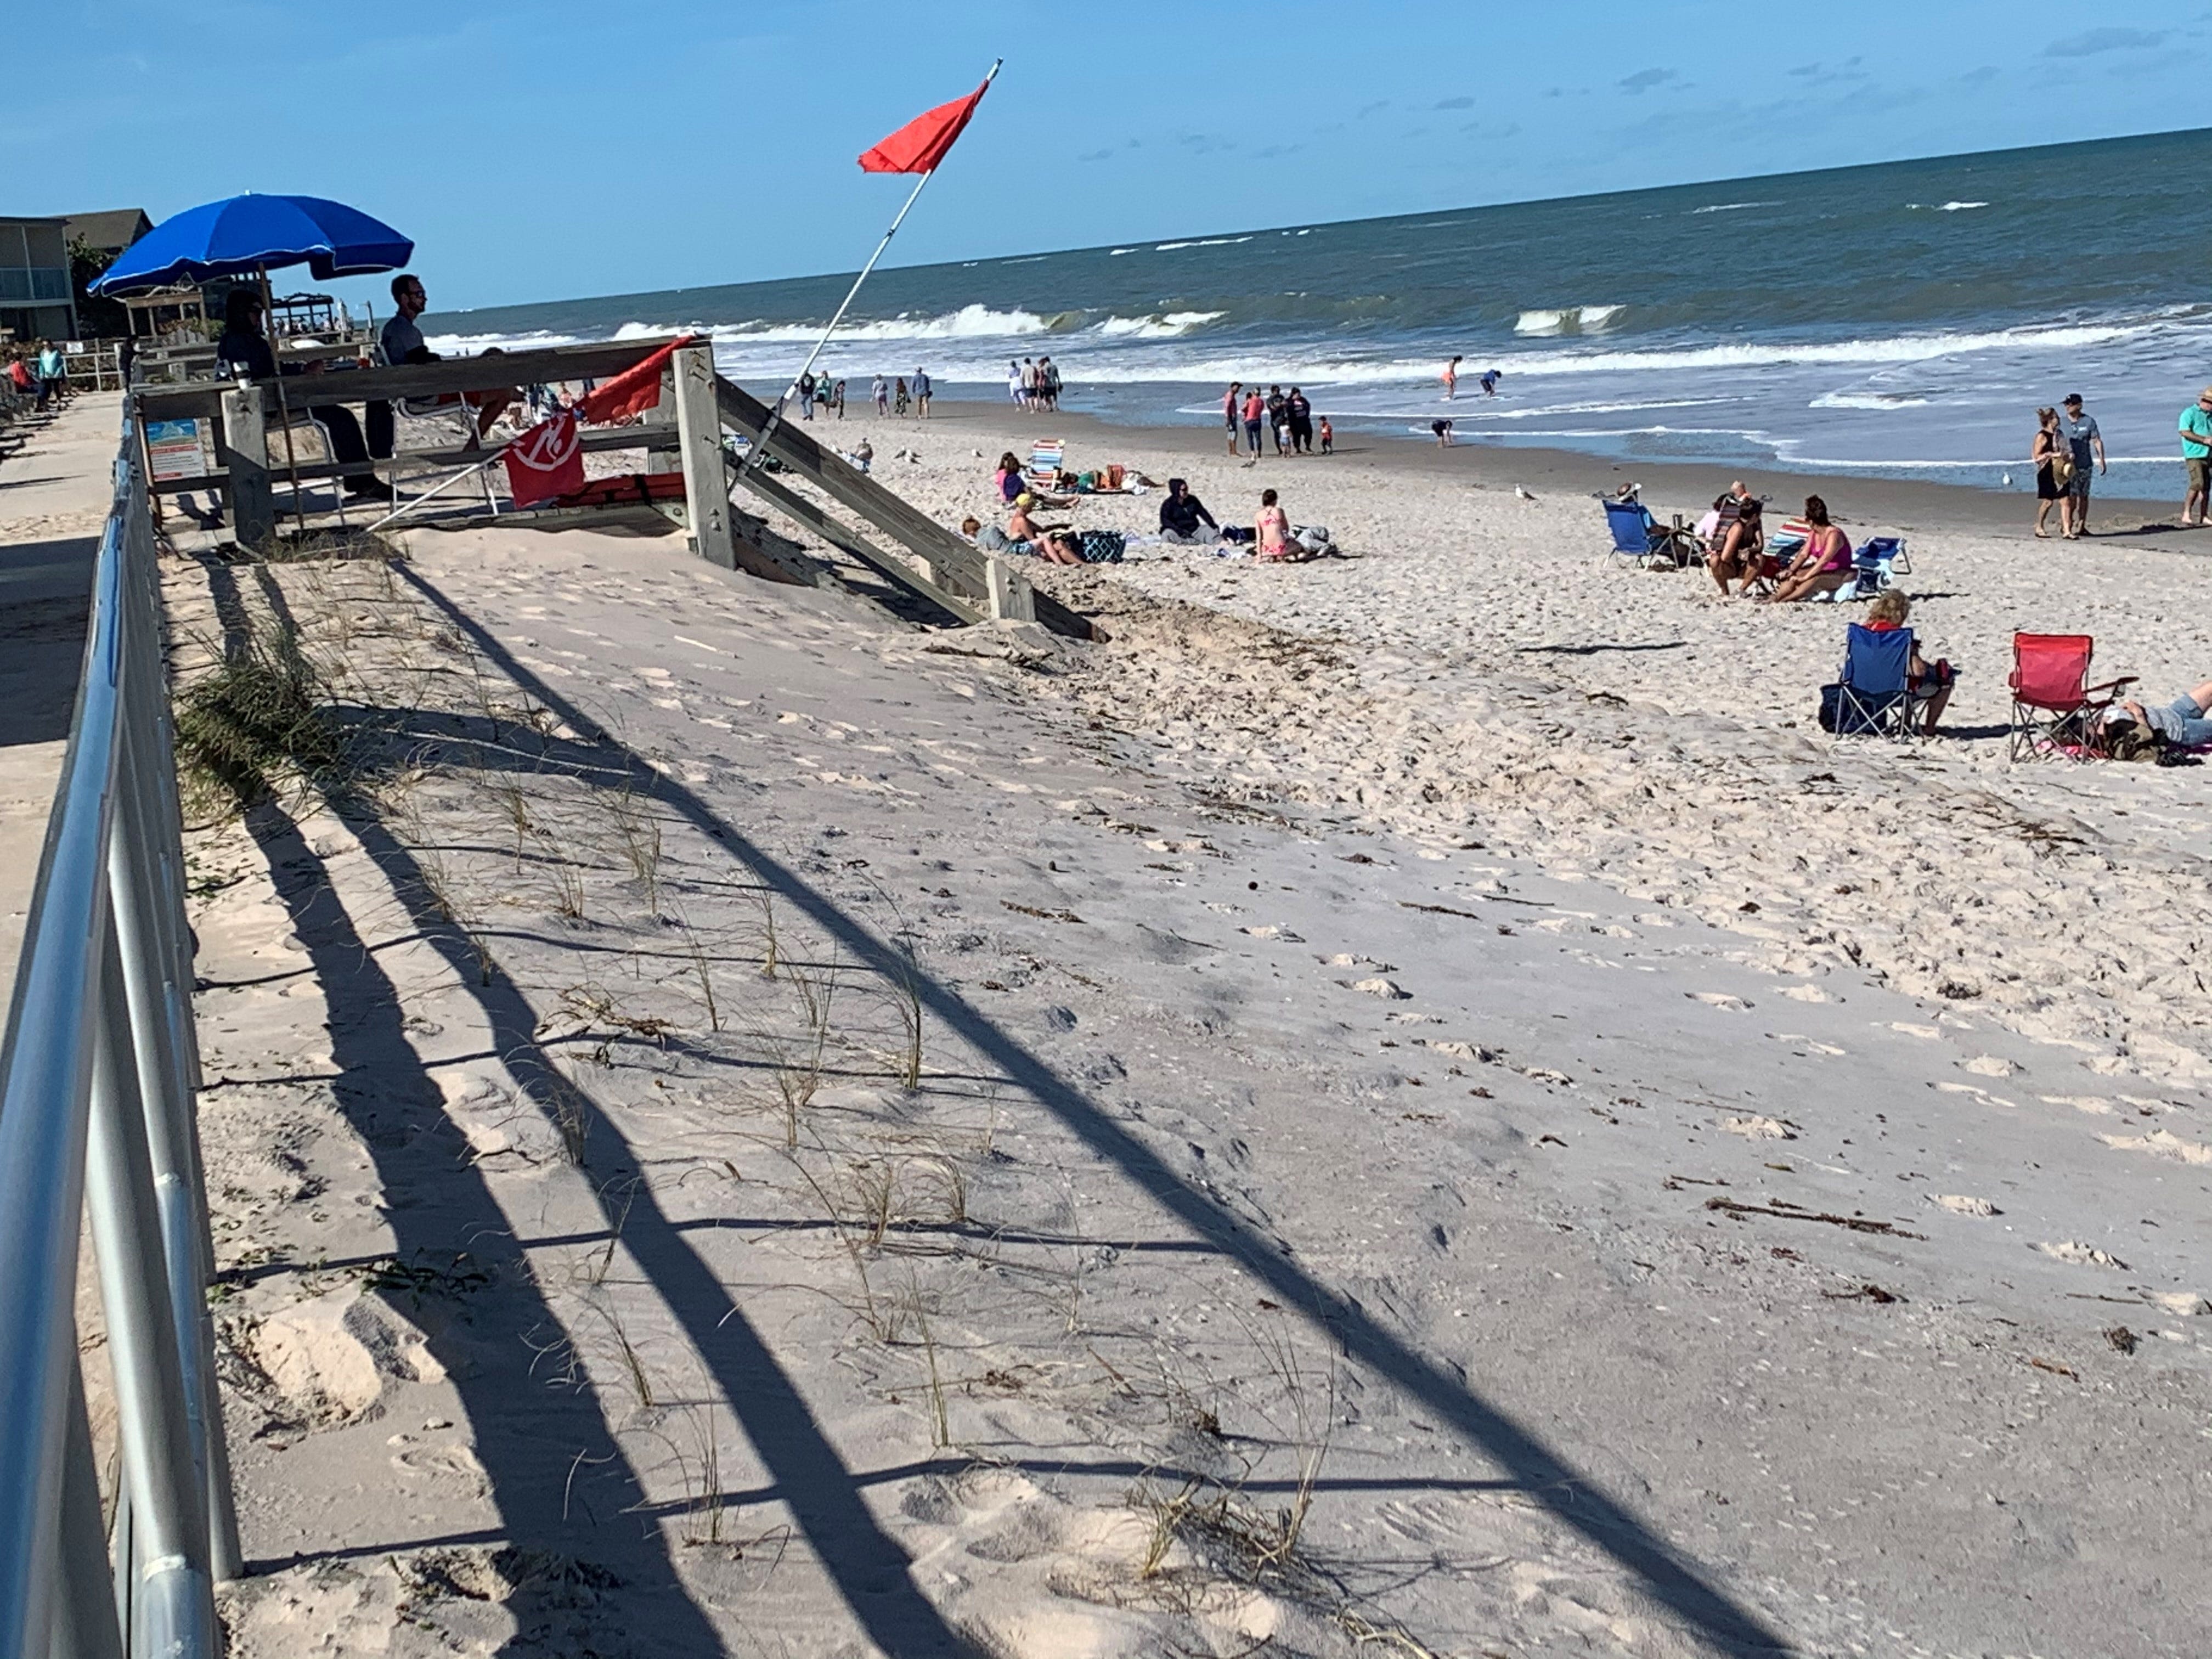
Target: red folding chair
[{"x": 2054, "y": 710}]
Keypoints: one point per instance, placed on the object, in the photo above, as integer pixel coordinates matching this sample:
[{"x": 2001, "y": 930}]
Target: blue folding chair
[
  {"x": 1873, "y": 695},
  {"x": 1639, "y": 537},
  {"x": 1875, "y": 566}
]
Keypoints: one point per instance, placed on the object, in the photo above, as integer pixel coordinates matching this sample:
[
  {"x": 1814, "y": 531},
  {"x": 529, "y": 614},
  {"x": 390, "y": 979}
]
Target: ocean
[{"x": 1903, "y": 320}]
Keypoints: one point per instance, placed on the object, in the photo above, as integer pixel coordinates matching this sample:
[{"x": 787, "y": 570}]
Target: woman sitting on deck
[{"x": 1823, "y": 566}]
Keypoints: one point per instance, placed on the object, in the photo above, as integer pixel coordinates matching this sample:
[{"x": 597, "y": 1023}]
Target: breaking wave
[{"x": 1573, "y": 319}]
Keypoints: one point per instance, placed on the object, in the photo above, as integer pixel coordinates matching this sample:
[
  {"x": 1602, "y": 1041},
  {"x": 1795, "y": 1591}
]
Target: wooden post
[
  {"x": 1011, "y": 597},
  {"x": 699, "y": 439},
  {"x": 663, "y": 413},
  {"x": 246, "y": 445}
]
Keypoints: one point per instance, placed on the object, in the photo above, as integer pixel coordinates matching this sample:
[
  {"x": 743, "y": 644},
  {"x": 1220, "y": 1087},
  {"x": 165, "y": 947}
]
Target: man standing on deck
[
  {"x": 2196, "y": 456},
  {"x": 2086, "y": 441}
]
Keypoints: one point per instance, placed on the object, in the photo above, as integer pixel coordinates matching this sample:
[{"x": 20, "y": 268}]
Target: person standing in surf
[
  {"x": 1490, "y": 379},
  {"x": 1450, "y": 378}
]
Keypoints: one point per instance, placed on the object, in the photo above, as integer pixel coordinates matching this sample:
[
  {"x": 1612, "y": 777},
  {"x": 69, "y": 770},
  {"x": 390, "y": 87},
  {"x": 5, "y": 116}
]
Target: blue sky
[{"x": 552, "y": 148}]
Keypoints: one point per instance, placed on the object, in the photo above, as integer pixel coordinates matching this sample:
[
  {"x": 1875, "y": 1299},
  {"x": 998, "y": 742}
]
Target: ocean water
[{"x": 1903, "y": 320}]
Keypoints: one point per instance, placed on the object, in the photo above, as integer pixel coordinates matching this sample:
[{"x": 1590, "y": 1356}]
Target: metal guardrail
[{"x": 97, "y": 1083}]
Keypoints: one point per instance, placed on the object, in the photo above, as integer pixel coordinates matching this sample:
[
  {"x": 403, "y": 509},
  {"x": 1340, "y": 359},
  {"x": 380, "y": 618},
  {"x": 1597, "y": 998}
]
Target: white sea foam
[
  {"x": 1570, "y": 319},
  {"x": 1946, "y": 207},
  {"x": 1868, "y": 400},
  {"x": 974, "y": 322},
  {"x": 1172, "y": 326},
  {"x": 1207, "y": 242},
  {"x": 1731, "y": 207},
  {"x": 468, "y": 345}
]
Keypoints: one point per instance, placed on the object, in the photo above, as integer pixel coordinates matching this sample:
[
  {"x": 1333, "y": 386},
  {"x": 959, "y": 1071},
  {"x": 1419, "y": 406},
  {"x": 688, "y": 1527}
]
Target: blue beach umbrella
[{"x": 250, "y": 234}]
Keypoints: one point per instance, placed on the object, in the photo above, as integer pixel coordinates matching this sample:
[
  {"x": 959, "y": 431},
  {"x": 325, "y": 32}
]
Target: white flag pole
[{"x": 775, "y": 415}]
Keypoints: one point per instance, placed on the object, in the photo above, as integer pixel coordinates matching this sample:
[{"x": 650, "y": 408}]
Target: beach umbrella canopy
[{"x": 249, "y": 233}]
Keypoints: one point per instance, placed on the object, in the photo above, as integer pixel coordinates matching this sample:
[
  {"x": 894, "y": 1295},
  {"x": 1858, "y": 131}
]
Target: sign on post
[{"x": 178, "y": 449}]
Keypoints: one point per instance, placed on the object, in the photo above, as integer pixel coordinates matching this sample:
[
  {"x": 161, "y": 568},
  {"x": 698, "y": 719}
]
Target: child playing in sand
[
  {"x": 1443, "y": 429},
  {"x": 1327, "y": 437}
]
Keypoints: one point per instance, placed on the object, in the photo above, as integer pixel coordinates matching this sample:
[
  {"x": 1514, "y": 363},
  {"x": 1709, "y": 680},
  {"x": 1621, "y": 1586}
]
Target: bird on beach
[
  {"x": 1522, "y": 490},
  {"x": 2007, "y": 481}
]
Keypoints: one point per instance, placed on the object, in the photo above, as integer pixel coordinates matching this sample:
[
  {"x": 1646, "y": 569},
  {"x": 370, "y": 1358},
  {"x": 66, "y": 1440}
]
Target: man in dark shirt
[
  {"x": 243, "y": 353},
  {"x": 402, "y": 341},
  {"x": 1182, "y": 512}
]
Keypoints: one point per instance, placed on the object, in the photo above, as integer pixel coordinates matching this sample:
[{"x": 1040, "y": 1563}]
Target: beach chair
[
  {"x": 1873, "y": 695},
  {"x": 1639, "y": 537},
  {"x": 2055, "y": 711},
  {"x": 1875, "y": 566},
  {"x": 1046, "y": 456}
]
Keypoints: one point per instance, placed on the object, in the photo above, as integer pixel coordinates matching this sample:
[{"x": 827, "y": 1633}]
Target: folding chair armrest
[{"x": 2111, "y": 685}]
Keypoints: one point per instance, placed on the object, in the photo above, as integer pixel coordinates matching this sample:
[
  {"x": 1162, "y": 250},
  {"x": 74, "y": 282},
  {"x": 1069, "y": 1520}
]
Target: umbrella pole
[{"x": 283, "y": 403}]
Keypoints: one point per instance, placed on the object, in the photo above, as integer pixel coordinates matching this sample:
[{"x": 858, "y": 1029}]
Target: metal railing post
[
  {"x": 85, "y": 1625},
  {"x": 173, "y": 1589}
]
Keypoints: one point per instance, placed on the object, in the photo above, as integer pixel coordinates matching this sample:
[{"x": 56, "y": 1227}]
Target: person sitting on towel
[{"x": 1181, "y": 514}]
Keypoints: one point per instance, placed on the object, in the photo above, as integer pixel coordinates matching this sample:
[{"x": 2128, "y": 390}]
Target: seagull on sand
[{"x": 1522, "y": 490}]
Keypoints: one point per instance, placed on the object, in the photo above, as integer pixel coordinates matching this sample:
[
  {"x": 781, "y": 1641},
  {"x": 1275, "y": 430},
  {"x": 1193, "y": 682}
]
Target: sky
[{"x": 540, "y": 150}]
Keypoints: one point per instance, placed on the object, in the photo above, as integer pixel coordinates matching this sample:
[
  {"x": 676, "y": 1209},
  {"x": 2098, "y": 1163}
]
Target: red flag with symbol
[
  {"x": 631, "y": 392},
  {"x": 921, "y": 143},
  {"x": 546, "y": 462}
]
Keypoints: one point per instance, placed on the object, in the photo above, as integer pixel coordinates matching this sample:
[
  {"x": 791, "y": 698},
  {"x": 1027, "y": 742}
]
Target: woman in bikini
[
  {"x": 1272, "y": 529},
  {"x": 1823, "y": 566}
]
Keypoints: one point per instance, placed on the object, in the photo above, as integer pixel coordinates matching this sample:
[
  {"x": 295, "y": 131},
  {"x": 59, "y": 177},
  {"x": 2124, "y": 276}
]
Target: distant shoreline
[{"x": 1856, "y": 499}]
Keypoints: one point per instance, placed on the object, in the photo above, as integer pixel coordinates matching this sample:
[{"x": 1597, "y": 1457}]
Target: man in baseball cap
[
  {"x": 2196, "y": 456},
  {"x": 2087, "y": 442}
]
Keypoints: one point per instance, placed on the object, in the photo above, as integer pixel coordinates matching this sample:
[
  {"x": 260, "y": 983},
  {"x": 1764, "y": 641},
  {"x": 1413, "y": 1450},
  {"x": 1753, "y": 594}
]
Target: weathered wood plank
[{"x": 843, "y": 537}]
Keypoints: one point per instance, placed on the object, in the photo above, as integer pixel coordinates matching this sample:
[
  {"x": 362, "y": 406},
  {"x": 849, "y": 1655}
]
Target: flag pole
[{"x": 776, "y": 415}]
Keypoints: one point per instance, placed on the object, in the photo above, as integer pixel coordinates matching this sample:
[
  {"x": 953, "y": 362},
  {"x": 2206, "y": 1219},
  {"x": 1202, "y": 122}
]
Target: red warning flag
[
  {"x": 631, "y": 392},
  {"x": 545, "y": 462},
  {"x": 921, "y": 143}
]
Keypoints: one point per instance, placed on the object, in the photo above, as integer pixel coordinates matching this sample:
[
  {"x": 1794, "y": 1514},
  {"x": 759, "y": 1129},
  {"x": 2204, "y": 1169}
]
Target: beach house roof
[{"x": 109, "y": 232}]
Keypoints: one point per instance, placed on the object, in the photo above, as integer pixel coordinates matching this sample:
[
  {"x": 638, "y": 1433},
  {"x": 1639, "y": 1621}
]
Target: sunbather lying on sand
[
  {"x": 2186, "y": 722},
  {"x": 1823, "y": 566}
]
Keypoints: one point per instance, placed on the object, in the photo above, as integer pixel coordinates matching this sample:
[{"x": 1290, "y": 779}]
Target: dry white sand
[{"x": 1413, "y": 1104}]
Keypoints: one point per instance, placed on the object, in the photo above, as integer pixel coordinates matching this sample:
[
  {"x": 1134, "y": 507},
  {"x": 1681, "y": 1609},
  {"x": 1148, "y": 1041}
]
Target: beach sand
[{"x": 1413, "y": 1103}]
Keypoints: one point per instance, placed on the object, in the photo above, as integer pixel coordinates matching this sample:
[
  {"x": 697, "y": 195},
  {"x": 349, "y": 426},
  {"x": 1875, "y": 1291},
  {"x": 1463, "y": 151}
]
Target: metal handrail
[{"x": 97, "y": 1083}]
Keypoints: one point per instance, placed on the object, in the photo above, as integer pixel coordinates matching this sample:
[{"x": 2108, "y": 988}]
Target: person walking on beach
[
  {"x": 1301, "y": 415},
  {"x": 899, "y": 398},
  {"x": 1450, "y": 378},
  {"x": 2048, "y": 451},
  {"x": 53, "y": 374},
  {"x": 1327, "y": 437},
  {"x": 806, "y": 396},
  {"x": 2196, "y": 457},
  {"x": 921, "y": 394},
  {"x": 1231, "y": 410},
  {"x": 1255, "y": 410},
  {"x": 1013, "y": 383},
  {"x": 837, "y": 397},
  {"x": 1278, "y": 419},
  {"x": 1029, "y": 385},
  {"x": 880, "y": 390},
  {"x": 2087, "y": 444}
]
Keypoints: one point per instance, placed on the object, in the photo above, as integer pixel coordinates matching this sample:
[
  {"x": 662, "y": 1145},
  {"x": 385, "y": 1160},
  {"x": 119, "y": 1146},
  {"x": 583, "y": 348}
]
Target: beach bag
[
  {"x": 2061, "y": 467},
  {"x": 1101, "y": 546},
  {"x": 1848, "y": 718},
  {"x": 2136, "y": 740}
]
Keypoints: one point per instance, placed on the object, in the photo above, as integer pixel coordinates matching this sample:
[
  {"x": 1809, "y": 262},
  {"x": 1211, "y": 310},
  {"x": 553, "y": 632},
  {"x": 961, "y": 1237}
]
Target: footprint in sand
[
  {"x": 1989, "y": 1066},
  {"x": 1758, "y": 1128},
  {"x": 2162, "y": 1142},
  {"x": 2074, "y": 1250},
  {"x": 1960, "y": 1203},
  {"x": 1389, "y": 989},
  {"x": 1804, "y": 993},
  {"x": 1719, "y": 999},
  {"x": 2187, "y": 1303},
  {"x": 1928, "y": 1031}
]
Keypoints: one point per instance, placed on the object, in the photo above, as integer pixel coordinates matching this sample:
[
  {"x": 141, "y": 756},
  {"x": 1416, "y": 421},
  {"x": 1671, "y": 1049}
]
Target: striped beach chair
[{"x": 1046, "y": 456}]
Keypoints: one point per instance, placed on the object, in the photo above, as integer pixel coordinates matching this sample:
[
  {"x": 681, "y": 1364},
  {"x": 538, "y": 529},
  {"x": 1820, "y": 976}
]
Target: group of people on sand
[
  {"x": 1288, "y": 415},
  {"x": 1734, "y": 533},
  {"x": 1184, "y": 520},
  {"x": 1033, "y": 384}
]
